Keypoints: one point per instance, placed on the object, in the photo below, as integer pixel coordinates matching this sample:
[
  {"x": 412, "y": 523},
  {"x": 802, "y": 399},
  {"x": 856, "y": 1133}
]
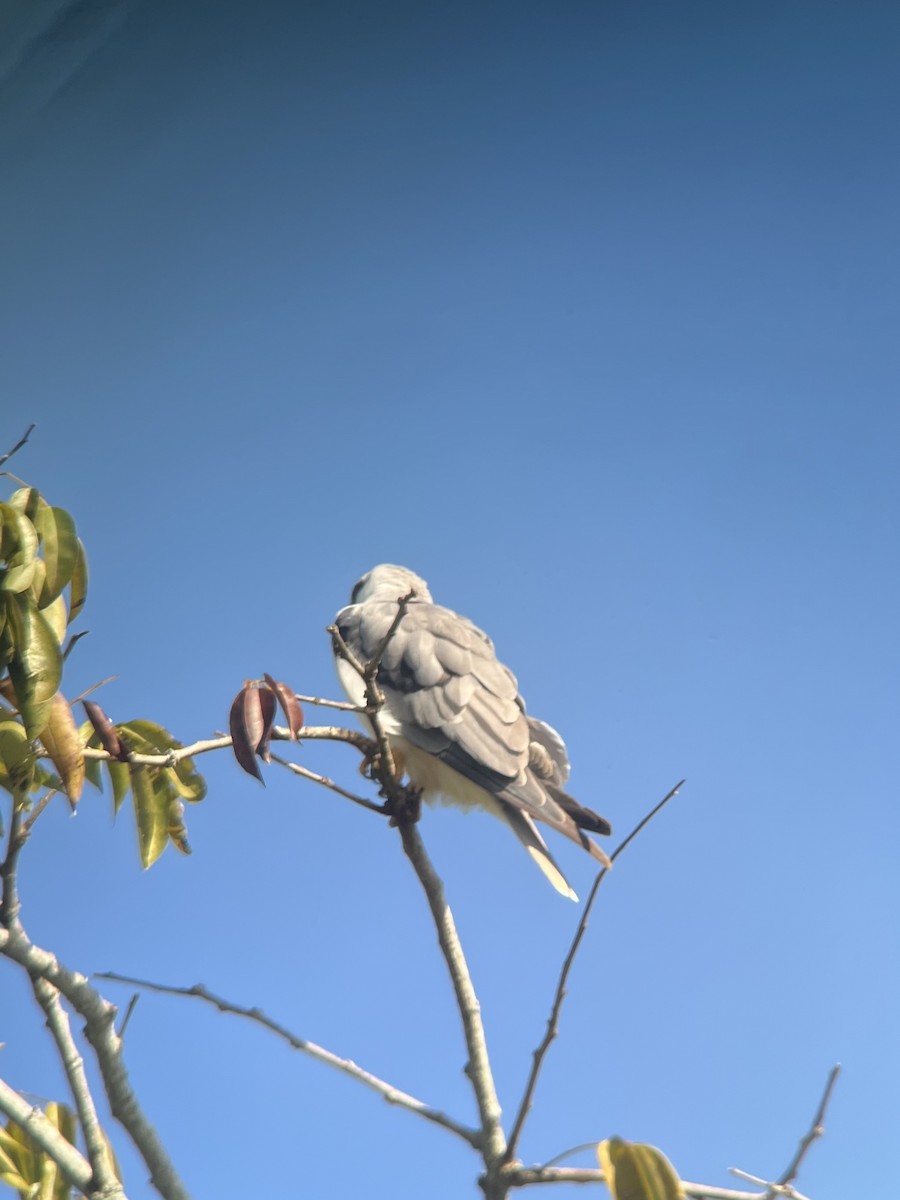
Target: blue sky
[{"x": 586, "y": 312}]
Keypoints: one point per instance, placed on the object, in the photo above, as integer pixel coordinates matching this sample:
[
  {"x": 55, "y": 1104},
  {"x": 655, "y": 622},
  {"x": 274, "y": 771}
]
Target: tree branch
[
  {"x": 368, "y": 673},
  {"x": 527, "y": 1176},
  {"x": 19, "y": 444},
  {"x": 324, "y": 781},
  {"x": 553, "y": 1021},
  {"x": 404, "y": 807},
  {"x": 478, "y": 1069},
  {"x": 815, "y": 1131},
  {"x": 331, "y": 733},
  {"x": 99, "y": 1016},
  {"x": 321, "y": 702},
  {"x": 386, "y": 1090},
  {"x": 104, "y": 1177}
]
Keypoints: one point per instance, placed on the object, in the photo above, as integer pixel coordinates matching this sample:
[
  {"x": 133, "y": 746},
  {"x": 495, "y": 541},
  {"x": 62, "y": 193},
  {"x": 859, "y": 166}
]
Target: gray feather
[{"x": 447, "y": 693}]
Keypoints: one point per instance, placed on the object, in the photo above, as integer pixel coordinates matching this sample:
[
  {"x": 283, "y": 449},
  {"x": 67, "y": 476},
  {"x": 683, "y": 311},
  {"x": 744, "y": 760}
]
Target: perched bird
[{"x": 454, "y": 717}]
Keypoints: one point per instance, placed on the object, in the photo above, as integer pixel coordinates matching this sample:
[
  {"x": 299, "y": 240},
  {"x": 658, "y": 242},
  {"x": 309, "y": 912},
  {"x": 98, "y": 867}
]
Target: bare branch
[
  {"x": 72, "y": 643},
  {"x": 331, "y": 733},
  {"x": 526, "y": 1176},
  {"x": 129, "y": 1011},
  {"x": 478, "y": 1068},
  {"x": 553, "y": 1021},
  {"x": 19, "y": 444},
  {"x": 38, "y": 809},
  {"x": 9, "y": 901},
  {"x": 368, "y": 673},
  {"x": 99, "y": 1016},
  {"x": 404, "y": 806},
  {"x": 320, "y": 702},
  {"x": 341, "y": 648},
  {"x": 386, "y": 1090},
  {"x": 815, "y": 1131},
  {"x": 44, "y": 1133},
  {"x": 777, "y": 1189},
  {"x": 103, "y": 1175},
  {"x": 324, "y": 781}
]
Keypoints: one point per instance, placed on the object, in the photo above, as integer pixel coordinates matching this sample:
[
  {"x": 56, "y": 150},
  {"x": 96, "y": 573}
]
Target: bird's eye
[{"x": 354, "y": 595}]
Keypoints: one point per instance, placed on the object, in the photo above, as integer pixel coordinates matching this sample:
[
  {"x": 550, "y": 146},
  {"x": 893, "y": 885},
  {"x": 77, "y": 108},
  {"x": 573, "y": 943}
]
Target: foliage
[{"x": 43, "y": 589}]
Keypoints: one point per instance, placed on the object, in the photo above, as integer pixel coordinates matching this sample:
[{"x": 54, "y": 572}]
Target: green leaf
[
  {"x": 55, "y": 616},
  {"x": 27, "y": 500},
  {"x": 54, "y": 1185},
  {"x": 18, "y": 549},
  {"x": 45, "y": 778},
  {"x": 59, "y": 544},
  {"x": 39, "y": 578},
  {"x": 36, "y": 665},
  {"x": 636, "y": 1171},
  {"x": 27, "y": 1168},
  {"x": 151, "y": 807},
  {"x": 16, "y": 759},
  {"x": 18, "y": 1158},
  {"x": 187, "y": 780},
  {"x": 120, "y": 778},
  {"x": 146, "y": 737},
  {"x": 78, "y": 590},
  {"x": 92, "y": 766},
  {"x": 93, "y": 773}
]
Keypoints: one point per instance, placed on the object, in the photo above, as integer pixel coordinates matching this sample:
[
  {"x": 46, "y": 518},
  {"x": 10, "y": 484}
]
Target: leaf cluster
[{"x": 43, "y": 589}]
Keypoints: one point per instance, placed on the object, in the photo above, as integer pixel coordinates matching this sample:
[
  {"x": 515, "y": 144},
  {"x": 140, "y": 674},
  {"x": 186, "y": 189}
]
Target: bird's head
[{"x": 389, "y": 582}]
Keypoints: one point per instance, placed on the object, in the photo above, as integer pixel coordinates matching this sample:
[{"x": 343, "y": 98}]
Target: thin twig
[
  {"x": 19, "y": 444},
  {"x": 527, "y": 1176},
  {"x": 72, "y": 643},
  {"x": 386, "y": 1090},
  {"x": 341, "y": 648},
  {"x": 557, "y": 1158},
  {"x": 38, "y": 809},
  {"x": 132, "y": 1005},
  {"x": 314, "y": 777},
  {"x": 815, "y": 1131},
  {"x": 94, "y": 686},
  {"x": 368, "y": 673},
  {"x": 320, "y": 702},
  {"x": 553, "y": 1020}
]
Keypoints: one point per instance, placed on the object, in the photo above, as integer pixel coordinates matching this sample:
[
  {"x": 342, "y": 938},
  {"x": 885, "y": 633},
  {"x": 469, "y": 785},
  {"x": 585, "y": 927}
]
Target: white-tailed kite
[{"x": 454, "y": 717}]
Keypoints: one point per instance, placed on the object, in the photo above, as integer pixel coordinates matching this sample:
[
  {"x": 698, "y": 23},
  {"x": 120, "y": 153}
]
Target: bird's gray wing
[
  {"x": 444, "y": 687},
  {"x": 451, "y": 696}
]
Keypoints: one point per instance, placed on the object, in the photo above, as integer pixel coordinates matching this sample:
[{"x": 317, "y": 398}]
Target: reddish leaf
[
  {"x": 290, "y": 705},
  {"x": 250, "y": 721},
  {"x": 105, "y": 731}
]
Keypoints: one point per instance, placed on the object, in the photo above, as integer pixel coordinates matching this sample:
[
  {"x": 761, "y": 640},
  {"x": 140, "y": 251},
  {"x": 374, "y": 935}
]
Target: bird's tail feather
[{"x": 524, "y": 829}]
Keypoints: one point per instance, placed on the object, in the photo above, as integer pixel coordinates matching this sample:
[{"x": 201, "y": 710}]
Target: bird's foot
[{"x": 403, "y": 803}]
